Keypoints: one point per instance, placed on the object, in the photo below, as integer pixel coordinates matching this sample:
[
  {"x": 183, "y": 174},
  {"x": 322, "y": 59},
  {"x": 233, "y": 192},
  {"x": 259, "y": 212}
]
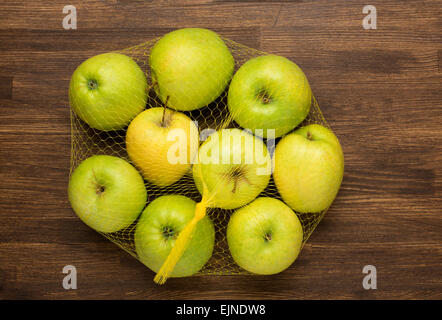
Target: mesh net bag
[{"x": 148, "y": 223}]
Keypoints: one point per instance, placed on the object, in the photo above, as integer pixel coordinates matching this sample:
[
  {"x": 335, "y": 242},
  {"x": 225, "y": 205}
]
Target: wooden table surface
[{"x": 380, "y": 90}]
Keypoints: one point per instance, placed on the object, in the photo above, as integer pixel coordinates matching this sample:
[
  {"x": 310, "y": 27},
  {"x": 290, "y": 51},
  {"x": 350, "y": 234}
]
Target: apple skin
[
  {"x": 153, "y": 246},
  {"x": 264, "y": 237},
  {"x": 309, "y": 167},
  {"x": 234, "y": 182},
  {"x": 107, "y": 91},
  {"x": 269, "y": 92},
  {"x": 191, "y": 66},
  {"x": 107, "y": 193},
  {"x": 153, "y": 143}
]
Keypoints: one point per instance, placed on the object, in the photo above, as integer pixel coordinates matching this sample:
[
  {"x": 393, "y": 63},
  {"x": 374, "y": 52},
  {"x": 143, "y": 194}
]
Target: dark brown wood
[
  {"x": 380, "y": 90},
  {"x": 5, "y": 87}
]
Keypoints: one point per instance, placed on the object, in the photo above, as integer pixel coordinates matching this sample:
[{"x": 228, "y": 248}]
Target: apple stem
[
  {"x": 235, "y": 182},
  {"x": 264, "y": 97},
  {"x": 268, "y": 236},
  {"x": 92, "y": 84},
  {"x": 309, "y": 135},
  {"x": 164, "y": 112},
  {"x": 100, "y": 189}
]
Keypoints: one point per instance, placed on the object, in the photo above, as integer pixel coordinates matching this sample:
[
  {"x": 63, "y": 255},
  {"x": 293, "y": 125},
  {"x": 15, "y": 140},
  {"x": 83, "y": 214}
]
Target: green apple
[
  {"x": 309, "y": 166},
  {"x": 107, "y": 193},
  {"x": 107, "y": 91},
  {"x": 269, "y": 92},
  {"x": 162, "y": 144},
  {"x": 264, "y": 237},
  {"x": 191, "y": 66},
  {"x": 235, "y": 167},
  {"x": 159, "y": 226}
]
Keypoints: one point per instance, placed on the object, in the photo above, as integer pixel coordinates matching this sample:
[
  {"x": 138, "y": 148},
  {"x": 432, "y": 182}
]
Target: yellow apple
[{"x": 162, "y": 143}]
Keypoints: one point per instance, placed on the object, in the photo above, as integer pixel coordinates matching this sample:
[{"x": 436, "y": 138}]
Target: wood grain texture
[{"x": 380, "y": 90}]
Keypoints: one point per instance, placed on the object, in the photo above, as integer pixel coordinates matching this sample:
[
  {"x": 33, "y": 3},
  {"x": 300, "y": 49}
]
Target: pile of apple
[{"x": 268, "y": 97}]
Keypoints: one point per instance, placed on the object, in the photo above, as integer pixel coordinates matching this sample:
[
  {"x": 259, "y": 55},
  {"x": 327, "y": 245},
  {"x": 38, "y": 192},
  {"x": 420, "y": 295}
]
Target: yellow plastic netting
[{"x": 87, "y": 142}]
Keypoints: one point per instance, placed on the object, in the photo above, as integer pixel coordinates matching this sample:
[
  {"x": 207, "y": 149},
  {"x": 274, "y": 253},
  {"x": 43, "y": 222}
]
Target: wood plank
[
  {"x": 119, "y": 270},
  {"x": 39, "y": 14},
  {"x": 5, "y": 87},
  {"x": 97, "y": 39}
]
